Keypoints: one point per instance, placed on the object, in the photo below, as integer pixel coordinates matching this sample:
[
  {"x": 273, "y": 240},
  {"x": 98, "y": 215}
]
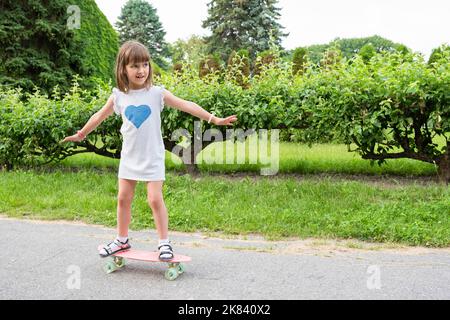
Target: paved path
[{"x": 56, "y": 260}]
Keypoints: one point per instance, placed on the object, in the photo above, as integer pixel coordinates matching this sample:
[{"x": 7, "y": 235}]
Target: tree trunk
[
  {"x": 443, "y": 163},
  {"x": 444, "y": 169},
  {"x": 192, "y": 169},
  {"x": 191, "y": 165}
]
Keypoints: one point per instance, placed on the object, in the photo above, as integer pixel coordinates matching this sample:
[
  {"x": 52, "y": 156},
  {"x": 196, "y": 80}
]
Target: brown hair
[{"x": 131, "y": 52}]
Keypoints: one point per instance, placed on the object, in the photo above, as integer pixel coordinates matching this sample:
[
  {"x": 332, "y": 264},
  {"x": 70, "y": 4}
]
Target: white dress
[{"x": 143, "y": 152}]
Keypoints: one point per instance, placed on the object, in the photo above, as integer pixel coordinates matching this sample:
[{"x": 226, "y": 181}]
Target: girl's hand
[
  {"x": 225, "y": 121},
  {"x": 74, "y": 138}
]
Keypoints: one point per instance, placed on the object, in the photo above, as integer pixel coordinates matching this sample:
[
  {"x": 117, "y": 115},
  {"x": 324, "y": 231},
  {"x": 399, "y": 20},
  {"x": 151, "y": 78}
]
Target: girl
[{"x": 140, "y": 103}]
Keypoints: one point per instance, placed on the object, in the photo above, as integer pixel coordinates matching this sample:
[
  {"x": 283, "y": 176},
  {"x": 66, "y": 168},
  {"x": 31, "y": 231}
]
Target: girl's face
[{"x": 137, "y": 73}]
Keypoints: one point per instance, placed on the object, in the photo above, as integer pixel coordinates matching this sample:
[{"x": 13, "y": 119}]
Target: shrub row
[{"x": 392, "y": 106}]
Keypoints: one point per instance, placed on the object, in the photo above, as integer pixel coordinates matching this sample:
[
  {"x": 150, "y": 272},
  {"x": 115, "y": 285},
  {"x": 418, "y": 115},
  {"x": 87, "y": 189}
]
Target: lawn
[
  {"x": 84, "y": 188},
  {"x": 293, "y": 158}
]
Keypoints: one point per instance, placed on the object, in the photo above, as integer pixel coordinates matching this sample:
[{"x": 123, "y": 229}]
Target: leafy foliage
[
  {"x": 351, "y": 47},
  {"x": 139, "y": 21},
  {"x": 37, "y": 47},
  {"x": 30, "y": 130},
  {"x": 210, "y": 65},
  {"x": 392, "y": 106},
  {"x": 238, "y": 68},
  {"x": 100, "y": 40},
  {"x": 39, "y": 50},
  {"x": 190, "y": 51},
  {"x": 240, "y": 24},
  {"x": 299, "y": 60}
]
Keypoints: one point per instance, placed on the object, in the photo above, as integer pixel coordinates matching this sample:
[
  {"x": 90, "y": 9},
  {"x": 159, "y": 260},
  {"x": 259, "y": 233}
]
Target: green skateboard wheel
[
  {"x": 171, "y": 274},
  {"x": 110, "y": 267},
  {"x": 119, "y": 262},
  {"x": 181, "y": 268}
]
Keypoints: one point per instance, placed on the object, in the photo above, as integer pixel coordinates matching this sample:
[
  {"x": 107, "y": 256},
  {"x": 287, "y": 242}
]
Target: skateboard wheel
[
  {"x": 119, "y": 262},
  {"x": 180, "y": 268},
  {"x": 171, "y": 274},
  {"x": 110, "y": 267}
]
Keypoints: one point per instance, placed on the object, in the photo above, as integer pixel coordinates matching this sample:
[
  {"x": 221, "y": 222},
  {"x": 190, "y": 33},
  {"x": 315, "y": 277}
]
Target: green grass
[
  {"x": 84, "y": 188},
  {"x": 321, "y": 208},
  {"x": 320, "y": 158},
  {"x": 293, "y": 158}
]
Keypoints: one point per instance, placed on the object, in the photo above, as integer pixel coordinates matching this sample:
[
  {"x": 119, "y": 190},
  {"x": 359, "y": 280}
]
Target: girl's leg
[
  {"x": 156, "y": 202},
  {"x": 125, "y": 198}
]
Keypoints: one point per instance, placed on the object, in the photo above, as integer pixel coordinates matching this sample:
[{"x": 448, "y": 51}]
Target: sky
[{"x": 419, "y": 24}]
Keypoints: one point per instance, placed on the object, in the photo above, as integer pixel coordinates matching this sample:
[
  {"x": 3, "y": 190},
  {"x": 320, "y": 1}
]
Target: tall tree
[
  {"x": 139, "y": 21},
  {"x": 38, "y": 48},
  {"x": 237, "y": 24}
]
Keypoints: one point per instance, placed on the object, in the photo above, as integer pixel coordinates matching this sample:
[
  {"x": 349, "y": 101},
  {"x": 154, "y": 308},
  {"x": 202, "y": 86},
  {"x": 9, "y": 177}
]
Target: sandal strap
[
  {"x": 108, "y": 248},
  {"x": 169, "y": 247},
  {"x": 165, "y": 249}
]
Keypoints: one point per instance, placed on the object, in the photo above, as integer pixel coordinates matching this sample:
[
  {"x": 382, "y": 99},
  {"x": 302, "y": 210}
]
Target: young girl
[{"x": 140, "y": 103}]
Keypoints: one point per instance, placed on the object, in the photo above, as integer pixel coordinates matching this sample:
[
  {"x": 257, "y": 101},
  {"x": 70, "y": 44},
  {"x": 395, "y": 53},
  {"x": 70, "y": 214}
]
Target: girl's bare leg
[
  {"x": 125, "y": 198},
  {"x": 156, "y": 202}
]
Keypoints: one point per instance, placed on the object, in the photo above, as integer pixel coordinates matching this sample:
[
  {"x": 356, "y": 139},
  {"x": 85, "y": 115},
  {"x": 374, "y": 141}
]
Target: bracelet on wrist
[{"x": 211, "y": 117}]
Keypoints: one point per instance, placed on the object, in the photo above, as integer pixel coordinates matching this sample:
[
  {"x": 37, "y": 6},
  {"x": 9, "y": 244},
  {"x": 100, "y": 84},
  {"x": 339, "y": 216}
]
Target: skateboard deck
[{"x": 118, "y": 261}]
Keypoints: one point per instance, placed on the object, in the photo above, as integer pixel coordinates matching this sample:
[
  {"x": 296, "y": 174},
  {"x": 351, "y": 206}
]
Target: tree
[
  {"x": 38, "y": 49},
  {"x": 139, "y": 21},
  {"x": 437, "y": 53},
  {"x": 100, "y": 39},
  {"x": 352, "y": 46},
  {"x": 237, "y": 24},
  {"x": 367, "y": 52},
  {"x": 189, "y": 51},
  {"x": 391, "y": 107}
]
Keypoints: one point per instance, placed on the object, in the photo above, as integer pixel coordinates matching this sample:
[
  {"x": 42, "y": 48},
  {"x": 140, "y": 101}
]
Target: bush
[
  {"x": 210, "y": 65},
  {"x": 299, "y": 60},
  {"x": 393, "y": 106},
  {"x": 32, "y": 125},
  {"x": 39, "y": 50},
  {"x": 238, "y": 68}
]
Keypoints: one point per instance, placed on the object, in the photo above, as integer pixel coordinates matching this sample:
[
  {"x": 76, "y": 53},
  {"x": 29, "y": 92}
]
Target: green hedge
[
  {"x": 101, "y": 41},
  {"x": 392, "y": 106}
]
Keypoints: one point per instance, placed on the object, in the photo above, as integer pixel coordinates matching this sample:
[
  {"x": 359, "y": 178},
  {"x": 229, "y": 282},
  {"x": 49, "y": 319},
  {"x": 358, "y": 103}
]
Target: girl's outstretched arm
[
  {"x": 94, "y": 122},
  {"x": 194, "y": 109}
]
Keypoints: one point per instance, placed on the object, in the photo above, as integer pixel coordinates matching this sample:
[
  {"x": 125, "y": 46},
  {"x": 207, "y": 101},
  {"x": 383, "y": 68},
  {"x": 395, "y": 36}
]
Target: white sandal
[
  {"x": 113, "y": 247},
  {"x": 165, "y": 252}
]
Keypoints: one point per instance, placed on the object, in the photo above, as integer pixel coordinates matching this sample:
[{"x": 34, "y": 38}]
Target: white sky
[{"x": 419, "y": 24}]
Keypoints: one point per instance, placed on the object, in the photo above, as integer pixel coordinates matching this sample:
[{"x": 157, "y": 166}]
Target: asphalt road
[{"x": 57, "y": 260}]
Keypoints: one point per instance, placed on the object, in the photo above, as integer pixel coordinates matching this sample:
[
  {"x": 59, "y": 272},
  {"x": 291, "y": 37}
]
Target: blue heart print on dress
[{"x": 138, "y": 115}]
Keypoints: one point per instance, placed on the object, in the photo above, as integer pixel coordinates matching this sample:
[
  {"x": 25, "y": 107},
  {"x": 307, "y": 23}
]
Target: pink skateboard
[{"x": 117, "y": 261}]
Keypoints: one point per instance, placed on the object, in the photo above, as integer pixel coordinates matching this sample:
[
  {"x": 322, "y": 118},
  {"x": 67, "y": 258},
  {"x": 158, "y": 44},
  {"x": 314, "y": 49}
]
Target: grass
[
  {"x": 84, "y": 188},
  {"x": 320, "y": 208},
  {"x": 293, "y": 158}
]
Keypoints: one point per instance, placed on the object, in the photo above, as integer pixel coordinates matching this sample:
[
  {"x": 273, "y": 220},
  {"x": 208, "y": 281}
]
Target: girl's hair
[{"x": 131, "y": 52}]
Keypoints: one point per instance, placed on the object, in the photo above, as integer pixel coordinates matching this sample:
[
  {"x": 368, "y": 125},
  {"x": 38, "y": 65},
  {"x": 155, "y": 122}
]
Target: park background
[{"x": 364, "y": 121}]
